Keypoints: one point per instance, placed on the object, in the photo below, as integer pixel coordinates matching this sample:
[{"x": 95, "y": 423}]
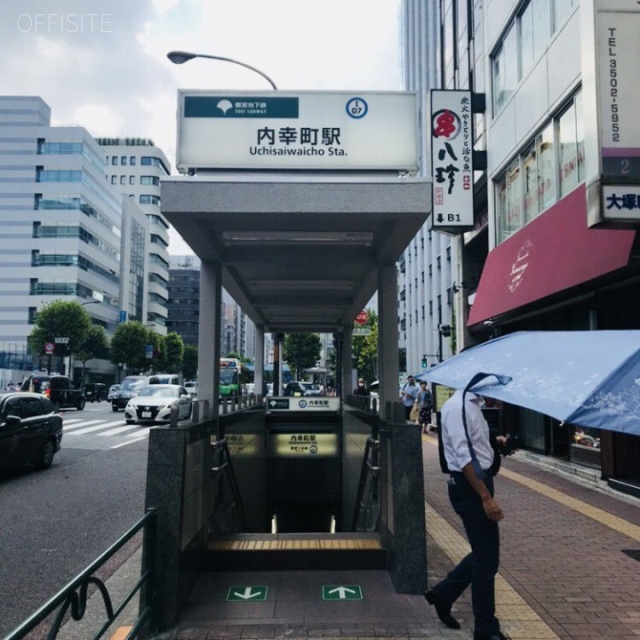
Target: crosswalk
[{"x": 105, "y": 428}]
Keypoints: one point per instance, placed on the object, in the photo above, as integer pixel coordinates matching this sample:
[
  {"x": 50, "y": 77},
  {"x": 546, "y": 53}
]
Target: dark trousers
[{"x": 479, "y": 568}]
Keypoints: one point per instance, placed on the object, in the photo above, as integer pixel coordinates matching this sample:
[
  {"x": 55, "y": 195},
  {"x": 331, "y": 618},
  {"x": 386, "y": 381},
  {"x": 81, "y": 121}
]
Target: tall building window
[
  {"x": 546, "y": 168},
  {"x": 526, "y": 39},
  {"x": 530, "y": 184},
  {"x": 505, "y": 70},
  {"x": 549, "y": 167},
  {"x": 567, "y": 150}
]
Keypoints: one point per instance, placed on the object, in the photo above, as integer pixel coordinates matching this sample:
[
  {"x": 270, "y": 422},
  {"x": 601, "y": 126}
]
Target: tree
[
  {"x": 190, "y": 362},
  {"x": 60, "y": 319},
  {"x": 95, "y": 345},
  {"x": 365, "y": 350},
  {"x": 174, "y": 352},
  {"x": 301, "y": 351},
  {"x": 128, "y": 346}
]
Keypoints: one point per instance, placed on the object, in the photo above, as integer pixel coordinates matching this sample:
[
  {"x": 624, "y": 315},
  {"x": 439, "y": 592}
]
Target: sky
[{"x": 102, "y": 64}]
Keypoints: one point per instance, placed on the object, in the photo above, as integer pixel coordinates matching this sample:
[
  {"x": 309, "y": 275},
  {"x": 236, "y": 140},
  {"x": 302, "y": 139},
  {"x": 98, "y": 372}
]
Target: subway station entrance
[{"x": 292, "y": 482}]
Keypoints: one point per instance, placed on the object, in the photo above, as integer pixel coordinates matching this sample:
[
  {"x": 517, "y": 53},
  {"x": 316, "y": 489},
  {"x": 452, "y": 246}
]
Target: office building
[
  {"x": 61, "y": 222},
  {"x": 237, "y": 334},
  {"x": 184, "y": 298},
  {"x": 135, "y": 167}
]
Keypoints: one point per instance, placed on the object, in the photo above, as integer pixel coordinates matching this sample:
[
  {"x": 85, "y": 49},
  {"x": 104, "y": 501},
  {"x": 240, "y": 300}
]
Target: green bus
[{"x": 233, "y": 376}]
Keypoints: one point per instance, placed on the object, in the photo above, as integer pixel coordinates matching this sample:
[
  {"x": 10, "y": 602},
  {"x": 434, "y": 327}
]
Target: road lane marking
[
  {"x": 120, "y": 429},
  {"x": 130, "y": 441},
  {"x": 83, "y": 423}
]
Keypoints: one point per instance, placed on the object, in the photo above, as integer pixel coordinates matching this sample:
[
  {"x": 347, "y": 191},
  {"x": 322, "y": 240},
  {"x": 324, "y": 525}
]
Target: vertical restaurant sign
[
  {"x": 452, "y": 160},
  {"x": 617, "y": 68},
  {"x": 297, "y": 130}
]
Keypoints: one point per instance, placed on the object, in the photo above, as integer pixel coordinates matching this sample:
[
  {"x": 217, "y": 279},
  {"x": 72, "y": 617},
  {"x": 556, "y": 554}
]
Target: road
[{"x": 53, "y": 523}]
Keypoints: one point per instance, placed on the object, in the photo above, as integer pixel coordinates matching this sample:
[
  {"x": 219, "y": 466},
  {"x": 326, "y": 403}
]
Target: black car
[
  {"x": 59, "y": 389},
  {"x": 95, "y": 392},
  {"x": 30, "y": 430}
]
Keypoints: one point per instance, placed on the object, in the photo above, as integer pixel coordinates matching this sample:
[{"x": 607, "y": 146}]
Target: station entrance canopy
[
  {"x": 300, "y": 235},
  {"x": 297, "y": 255}
]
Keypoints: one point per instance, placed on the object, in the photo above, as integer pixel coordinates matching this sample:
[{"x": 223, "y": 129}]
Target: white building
[
  {"x": 135, "y": 167},
  {"x": 61, "y": 222}
]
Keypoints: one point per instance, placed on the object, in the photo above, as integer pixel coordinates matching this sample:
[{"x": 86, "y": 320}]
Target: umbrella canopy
[{"x": 587, "y": 378}]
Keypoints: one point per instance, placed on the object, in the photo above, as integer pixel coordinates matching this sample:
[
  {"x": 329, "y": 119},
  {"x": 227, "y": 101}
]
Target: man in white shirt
[
  {"x": 471, "y": 495},
  {"x": 409, "y": 392}
]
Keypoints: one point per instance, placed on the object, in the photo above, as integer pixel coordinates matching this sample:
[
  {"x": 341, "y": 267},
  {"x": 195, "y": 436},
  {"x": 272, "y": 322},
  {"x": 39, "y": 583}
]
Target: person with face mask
[{"x": 361, "y": 389}]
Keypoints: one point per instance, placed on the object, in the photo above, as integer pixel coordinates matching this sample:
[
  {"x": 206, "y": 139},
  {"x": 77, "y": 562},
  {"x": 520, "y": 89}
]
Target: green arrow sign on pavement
[
  {"x": 341, "y": 592},
  {"x": 245, "y": 593}
]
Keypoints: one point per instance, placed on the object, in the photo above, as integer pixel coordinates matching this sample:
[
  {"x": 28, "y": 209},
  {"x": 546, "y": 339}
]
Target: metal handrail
[
  {"x": 369, "y": 476},
  {"x": 74, "y": 594},
  {"x": 224, "y": 467}
]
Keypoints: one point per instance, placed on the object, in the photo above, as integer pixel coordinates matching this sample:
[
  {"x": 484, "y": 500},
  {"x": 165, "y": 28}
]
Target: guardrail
[{"x": 74, "y": 595}]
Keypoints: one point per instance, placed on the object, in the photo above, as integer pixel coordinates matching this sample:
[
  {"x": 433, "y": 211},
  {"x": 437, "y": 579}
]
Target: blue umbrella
[{"x": 587, "y": 378}]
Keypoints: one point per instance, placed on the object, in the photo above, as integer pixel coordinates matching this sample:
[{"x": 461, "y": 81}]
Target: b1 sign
[{"x": 297, "y": 130}]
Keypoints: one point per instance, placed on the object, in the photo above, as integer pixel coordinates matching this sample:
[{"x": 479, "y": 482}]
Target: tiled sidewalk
[{"x": 564, "y": 573}]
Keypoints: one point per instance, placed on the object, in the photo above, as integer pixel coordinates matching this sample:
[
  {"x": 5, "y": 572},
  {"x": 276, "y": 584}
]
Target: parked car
[
  {"x": 95, "y": 392},
  {"x": 59, "y": 389},
  {"x": 113, "y": 389},
  {"x": 131, "y": 386},
  {"x": 155, "y": 401},
  {"x": 30, "y": 430}
]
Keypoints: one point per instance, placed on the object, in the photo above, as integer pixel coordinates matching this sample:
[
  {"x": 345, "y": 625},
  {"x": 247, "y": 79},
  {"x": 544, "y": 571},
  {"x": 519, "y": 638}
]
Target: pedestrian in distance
[
  {"x": 408, "y": 395},
  {"x": 470, "y": 460},
  {"x": 361, "y": 389},
  {"x": 424, "y": 400}
]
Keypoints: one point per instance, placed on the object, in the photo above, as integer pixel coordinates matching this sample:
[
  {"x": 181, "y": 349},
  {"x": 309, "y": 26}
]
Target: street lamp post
[{"x": 180, "y": 57}]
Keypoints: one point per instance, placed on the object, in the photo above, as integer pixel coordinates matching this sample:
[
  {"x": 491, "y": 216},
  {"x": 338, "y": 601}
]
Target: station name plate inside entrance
[
  {"x": 305, "y": 403},
  {"x": 302, "y": 445}
]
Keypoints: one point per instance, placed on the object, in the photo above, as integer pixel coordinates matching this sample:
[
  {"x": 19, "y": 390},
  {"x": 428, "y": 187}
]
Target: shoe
[{"x": 443, "y": 609}]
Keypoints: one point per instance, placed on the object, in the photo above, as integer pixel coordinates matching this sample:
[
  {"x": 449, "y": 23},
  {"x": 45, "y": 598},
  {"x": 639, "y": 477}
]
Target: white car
[
  {"x": 154, "y": 404},
  {"x": 192, "y": 388}
]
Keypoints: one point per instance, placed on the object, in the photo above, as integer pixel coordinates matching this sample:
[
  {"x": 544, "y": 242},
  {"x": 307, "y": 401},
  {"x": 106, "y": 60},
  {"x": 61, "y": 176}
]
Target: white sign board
[
  {"x": 297, "y": 130},
  {"x": 452, "y": 160},
  {"x": 614, "y": 60}
]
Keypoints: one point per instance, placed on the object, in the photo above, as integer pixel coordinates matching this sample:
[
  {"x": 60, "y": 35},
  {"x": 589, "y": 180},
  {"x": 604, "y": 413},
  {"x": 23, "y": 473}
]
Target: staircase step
[{"x": 290, "y": 551}]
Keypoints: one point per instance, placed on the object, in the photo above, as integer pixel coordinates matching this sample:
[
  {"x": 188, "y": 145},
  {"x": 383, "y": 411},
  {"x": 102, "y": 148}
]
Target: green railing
[{"x": 74, "y": 595}]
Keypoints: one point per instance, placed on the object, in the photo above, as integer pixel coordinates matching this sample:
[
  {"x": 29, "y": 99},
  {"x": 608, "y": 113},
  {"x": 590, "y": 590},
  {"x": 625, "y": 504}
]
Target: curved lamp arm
[{"x": 180, "y": 57}]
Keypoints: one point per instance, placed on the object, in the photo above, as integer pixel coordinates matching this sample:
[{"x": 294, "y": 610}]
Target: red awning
[{"x": 554, "y": 252}]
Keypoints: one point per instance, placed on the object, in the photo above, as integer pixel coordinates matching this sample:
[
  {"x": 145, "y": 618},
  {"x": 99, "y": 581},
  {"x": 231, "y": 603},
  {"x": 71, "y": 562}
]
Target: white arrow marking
[
  {"x": 342, "y": 592},
  {"x": 247, "y": 594}
]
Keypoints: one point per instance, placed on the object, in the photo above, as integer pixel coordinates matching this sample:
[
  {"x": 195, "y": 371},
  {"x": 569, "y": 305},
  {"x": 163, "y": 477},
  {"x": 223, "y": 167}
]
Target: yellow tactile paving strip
[
  {"x": 294, "y": 544},
  {"x": 519, "y": 620},
  {"x": 602, "y": 517}
]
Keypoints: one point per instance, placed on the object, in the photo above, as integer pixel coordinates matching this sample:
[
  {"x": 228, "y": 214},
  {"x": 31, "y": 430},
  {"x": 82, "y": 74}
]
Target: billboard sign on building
[
  {"x": 611, "y": 76},
  {"x": 452, "y": 160},
  {"x": 297, "y": 130}
]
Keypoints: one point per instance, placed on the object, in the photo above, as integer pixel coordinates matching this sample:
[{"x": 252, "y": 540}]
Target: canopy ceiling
[{"x": 298, "y": 255}]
